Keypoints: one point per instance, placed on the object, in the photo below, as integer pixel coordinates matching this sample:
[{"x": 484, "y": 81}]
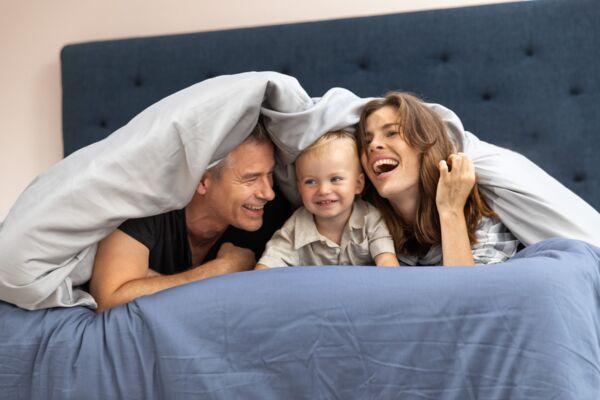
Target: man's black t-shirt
[{"x": 165, "y": 235}]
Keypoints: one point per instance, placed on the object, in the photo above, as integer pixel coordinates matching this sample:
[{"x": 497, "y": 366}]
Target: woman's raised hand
[{"x": 457, "y": 178}]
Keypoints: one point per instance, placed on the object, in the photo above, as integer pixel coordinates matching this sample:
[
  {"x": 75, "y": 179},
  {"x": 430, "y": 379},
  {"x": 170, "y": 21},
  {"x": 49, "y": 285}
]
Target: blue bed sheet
[{"x": 525, "y": 329}]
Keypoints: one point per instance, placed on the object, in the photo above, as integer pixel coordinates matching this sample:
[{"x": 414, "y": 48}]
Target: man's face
[{"x": 245, "y": 185}]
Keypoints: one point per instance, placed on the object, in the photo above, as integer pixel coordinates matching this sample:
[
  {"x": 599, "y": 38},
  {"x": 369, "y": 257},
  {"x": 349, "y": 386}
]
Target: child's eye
[
  {"x": 336, "y": 179},
  {"x": 310, "y": 182}
]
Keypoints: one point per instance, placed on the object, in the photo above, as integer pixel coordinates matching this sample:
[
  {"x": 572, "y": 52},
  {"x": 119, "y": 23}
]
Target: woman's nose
[{"x": 375, "y": 145}]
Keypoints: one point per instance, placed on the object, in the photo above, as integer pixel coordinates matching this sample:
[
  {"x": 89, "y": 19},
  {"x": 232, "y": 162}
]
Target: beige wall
[{"x": 33, "y": 32}]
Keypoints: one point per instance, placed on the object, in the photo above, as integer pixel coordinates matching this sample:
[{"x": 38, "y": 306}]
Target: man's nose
[{"x": 265, "y": 191}]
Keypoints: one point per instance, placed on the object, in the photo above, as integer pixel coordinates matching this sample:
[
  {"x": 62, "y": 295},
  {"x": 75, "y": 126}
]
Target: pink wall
[{"x": 33, "y": 32}]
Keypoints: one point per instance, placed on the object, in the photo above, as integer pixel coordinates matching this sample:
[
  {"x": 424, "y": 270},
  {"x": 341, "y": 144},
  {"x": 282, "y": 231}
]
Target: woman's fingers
[
  {"x": 461, "y": 167},
  {"x": 443, "y": 167},
  {"x": 457, "y": 177}
]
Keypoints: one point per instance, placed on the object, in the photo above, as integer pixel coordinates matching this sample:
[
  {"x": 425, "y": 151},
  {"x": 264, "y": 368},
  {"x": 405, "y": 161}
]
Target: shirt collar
[{"x": 306, "y": 230}]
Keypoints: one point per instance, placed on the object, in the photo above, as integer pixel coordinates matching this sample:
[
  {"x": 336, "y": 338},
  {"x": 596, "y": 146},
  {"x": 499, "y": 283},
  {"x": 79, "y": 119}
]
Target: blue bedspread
[{"x": 525, "y": 329}]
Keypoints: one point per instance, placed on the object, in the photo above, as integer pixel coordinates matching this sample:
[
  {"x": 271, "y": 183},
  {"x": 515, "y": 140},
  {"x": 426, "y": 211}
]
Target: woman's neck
[{"x": 406, "y": 204}]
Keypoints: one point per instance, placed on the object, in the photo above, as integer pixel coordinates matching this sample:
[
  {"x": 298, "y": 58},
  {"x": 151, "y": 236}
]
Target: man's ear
[
  {"x": 204, "y": 183},
  {"x": 360, "y": 183}
]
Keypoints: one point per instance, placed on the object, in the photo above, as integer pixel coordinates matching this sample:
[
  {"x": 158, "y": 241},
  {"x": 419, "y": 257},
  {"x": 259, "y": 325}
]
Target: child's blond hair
[{"x": 318, "y": 146}]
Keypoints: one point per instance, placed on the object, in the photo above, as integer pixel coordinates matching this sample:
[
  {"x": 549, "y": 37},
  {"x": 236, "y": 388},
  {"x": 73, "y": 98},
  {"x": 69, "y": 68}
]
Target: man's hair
[
  {"x": 258, "y": 135},
  {"x": 425, "y": 131}
]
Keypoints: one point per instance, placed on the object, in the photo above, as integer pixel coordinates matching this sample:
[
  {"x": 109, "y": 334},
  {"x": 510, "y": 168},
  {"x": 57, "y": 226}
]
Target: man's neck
[{"x": 203, "y": 225}]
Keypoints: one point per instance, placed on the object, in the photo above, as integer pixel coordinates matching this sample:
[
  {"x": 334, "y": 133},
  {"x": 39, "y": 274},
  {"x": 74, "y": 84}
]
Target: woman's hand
[
  {"x": 455, "y": 185},
  {"x": 452, "y": 192}
]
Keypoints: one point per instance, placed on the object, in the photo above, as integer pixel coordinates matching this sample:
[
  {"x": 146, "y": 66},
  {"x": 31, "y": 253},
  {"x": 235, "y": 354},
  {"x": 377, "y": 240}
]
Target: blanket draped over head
[{"x": 154, "y": 163}]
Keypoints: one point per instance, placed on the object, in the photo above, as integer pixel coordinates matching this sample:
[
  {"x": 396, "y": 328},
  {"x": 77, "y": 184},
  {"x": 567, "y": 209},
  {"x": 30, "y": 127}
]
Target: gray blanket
[{"x": 153, "y": 164}]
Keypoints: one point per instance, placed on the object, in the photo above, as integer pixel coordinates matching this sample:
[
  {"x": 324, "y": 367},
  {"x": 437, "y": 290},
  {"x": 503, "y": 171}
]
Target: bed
[{"x": 521, "y": 75}]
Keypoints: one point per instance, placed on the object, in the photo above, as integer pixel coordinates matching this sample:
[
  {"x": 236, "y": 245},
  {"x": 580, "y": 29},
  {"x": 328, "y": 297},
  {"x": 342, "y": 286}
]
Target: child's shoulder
[
  {"x": 365, "y": 208},
  {"x": 301, "y": 215}
]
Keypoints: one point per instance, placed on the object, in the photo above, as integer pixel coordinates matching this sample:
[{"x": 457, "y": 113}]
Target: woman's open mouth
[{"x": 384, "y": 165}]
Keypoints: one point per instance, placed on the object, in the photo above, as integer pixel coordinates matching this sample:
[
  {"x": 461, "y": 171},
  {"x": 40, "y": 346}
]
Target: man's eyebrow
[{"x": 252, "y": 175}]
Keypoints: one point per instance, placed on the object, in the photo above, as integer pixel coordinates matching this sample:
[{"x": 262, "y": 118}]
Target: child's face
[{"x": 329, "y": 178}]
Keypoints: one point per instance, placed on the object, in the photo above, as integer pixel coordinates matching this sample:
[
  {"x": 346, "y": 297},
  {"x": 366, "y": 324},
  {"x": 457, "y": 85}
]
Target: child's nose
[{"x": 324, "y": 188}]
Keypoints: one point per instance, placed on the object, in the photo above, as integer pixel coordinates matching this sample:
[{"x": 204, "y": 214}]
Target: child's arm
[
  {"x": 386, "y": 260},
  {"x": 279, "y": 251},
  {"x": 381, "y": 244}
]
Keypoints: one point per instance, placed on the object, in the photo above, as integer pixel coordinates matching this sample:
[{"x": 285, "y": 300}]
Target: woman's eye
[{"x": 391, "y": 133}]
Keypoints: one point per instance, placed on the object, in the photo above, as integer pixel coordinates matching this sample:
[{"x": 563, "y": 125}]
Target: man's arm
[{"x": 121, "y": 270}]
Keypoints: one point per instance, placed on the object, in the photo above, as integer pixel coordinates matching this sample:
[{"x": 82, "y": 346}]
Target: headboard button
[
  {"x": 579, "y": 176},
  {"x": 487, "y": 96},
  {"x": 529, "y": 51}
]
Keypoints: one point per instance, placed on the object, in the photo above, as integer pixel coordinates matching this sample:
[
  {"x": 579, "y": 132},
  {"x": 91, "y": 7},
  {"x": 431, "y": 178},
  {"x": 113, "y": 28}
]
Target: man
[{"x": 151, "y": 254}]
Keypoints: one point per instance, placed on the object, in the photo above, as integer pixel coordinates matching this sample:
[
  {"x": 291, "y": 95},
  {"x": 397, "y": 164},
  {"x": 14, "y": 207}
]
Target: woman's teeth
[{"x": 384, "y": 165}]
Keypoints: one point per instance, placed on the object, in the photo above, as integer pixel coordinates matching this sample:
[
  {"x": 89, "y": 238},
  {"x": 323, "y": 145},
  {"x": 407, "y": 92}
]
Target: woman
[{"x": 425, "y": 190}]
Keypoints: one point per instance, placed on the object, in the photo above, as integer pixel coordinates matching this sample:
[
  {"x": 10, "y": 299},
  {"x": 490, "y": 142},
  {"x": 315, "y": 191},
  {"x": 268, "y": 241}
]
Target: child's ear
[
  {"x": 204, "y": 183},
  {"x": 360, "y": 183}
]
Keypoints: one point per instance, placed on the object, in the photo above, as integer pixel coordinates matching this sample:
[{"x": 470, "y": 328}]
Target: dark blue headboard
[{"x": 522, "y": 75}]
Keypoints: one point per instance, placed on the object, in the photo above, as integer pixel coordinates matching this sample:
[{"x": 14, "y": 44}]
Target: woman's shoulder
[{"x": 492, "y": 230}]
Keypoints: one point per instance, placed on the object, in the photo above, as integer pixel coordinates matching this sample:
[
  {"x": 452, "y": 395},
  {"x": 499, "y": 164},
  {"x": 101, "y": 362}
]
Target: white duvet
[{"x": 153, "y": 164}]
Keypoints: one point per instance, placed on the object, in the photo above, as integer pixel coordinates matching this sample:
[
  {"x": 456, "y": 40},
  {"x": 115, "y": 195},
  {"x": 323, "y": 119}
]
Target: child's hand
[
  {"x": 455, "y": 185},
  {"x": 386, "y": 260}
]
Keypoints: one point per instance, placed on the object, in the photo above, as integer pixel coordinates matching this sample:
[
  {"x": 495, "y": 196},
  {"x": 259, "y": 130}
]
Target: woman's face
[{"x": 390, "y": 162}]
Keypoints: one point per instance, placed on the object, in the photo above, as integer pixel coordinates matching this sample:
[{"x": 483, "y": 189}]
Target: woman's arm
[{"x": 453, "y": 190}]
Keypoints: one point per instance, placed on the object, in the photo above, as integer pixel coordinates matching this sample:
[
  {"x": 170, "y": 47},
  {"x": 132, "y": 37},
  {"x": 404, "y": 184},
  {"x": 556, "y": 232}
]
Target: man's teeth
[
  {"x": 384, "y": 165},
  {"x": 255, "y": 208}
]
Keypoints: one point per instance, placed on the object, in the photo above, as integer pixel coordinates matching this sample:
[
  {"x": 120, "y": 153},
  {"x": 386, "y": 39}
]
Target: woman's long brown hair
[{"x": 423, "y": 130}]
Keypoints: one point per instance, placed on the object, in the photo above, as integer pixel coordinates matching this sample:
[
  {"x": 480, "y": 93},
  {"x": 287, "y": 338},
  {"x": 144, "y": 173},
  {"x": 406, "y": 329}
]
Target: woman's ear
[{"x": 360, "y": 183}]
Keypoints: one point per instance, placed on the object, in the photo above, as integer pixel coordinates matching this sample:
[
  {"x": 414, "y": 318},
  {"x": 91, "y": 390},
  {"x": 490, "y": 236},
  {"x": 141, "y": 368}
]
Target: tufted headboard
[{"x": 521, "y": 75}]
